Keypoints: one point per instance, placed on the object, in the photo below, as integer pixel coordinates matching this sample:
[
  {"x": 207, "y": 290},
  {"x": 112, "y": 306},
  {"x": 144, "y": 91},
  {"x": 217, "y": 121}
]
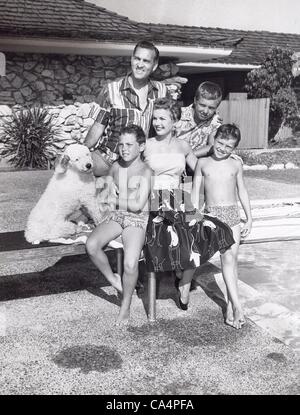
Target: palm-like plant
[{"x": 29, "y": 136}]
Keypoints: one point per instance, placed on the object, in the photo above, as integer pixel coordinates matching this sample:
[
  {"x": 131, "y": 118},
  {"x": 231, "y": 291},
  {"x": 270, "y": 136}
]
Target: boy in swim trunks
[
  {"x": 132, "y": 178},
  {"x": 223, "y": 181}
]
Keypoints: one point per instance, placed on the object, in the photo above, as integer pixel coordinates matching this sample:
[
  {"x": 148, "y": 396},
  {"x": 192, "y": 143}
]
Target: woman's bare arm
[{"x": 195, "y": 195}]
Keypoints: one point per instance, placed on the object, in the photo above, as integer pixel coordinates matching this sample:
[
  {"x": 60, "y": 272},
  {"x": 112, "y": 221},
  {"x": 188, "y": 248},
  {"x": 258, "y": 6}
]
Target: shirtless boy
[
  {"x": 223, "y": 182},
  {"x": 132, "y": 178}
]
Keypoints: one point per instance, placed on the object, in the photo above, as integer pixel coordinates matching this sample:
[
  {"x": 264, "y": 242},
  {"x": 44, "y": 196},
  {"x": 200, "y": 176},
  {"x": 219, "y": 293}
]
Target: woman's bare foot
[
  {"x": 234, "y": 317},
  {"x": 117, "y": 284}
]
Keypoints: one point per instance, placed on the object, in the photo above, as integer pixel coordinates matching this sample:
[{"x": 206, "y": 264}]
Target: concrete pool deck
[
  {"x": 57, "y": 332},
  {"x": 269, "y": 287}
]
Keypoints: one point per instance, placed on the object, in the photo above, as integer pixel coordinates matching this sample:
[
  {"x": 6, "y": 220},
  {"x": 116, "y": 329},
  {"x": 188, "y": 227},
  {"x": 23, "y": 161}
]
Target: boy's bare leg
[
  {"x": 104, "y": 233},
  {"x": 237, "y": 237},
  {"x": 133, "y": 241},
  {"x": 234, "y": 313},
  {"x": 185, "y": 285}
]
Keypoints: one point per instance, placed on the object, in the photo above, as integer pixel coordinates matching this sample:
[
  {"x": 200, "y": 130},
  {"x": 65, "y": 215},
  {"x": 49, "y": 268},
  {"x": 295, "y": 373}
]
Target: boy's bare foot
[
  {"x": 234, "y": 317},
  {"x": 237, "y": 324},
  {"x": 123, "y": 317},
  {"x": 122, "y": 323},
  {"x": 229, "y": 312},
  {"x": 117, "y": 284}
]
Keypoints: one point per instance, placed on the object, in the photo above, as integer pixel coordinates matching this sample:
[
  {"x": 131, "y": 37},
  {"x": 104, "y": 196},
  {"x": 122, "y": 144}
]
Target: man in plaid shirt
[{"x": 128, "y": 100}]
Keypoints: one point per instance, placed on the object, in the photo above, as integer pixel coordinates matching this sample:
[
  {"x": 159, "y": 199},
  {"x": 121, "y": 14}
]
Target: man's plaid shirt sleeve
[{"x": 105, "y": 106}]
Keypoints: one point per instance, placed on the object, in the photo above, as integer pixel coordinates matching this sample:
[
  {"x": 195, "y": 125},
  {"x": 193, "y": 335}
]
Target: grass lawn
[
  {"x": 20, "y": 190},
  {"x": 281, "y": 176},
  {"x": 273, "y": 184}
]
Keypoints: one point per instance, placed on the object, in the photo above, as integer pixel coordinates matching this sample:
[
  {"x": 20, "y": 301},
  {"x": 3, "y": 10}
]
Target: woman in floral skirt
[{"x": 178, "y": 238}]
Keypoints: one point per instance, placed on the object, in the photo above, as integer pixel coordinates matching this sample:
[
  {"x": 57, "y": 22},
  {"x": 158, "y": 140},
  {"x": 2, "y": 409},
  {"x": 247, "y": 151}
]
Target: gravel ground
[{"x": 61, "y": 339}]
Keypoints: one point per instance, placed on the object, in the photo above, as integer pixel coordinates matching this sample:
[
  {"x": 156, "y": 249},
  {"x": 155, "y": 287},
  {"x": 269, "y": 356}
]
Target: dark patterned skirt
[{"x": 171, "y": 243}]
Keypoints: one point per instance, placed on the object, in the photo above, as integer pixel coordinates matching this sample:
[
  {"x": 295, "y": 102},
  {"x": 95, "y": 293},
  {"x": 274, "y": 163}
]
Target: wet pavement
[{"x": 269, "y": 286}]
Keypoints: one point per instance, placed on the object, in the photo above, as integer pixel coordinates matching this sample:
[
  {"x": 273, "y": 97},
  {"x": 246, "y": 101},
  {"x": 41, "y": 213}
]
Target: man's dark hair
[
  {"x": 228, "y": 131},
  {"x": 135, "y": 130},
  {"x": 170, "y": 105},
  {"x": 145, "y": 44}
]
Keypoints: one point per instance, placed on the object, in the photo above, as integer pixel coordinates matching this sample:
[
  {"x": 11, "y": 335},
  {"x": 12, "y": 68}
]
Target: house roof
[
  {"x": 64, "y": 18},
  {"x": 77, "y": 19},
  {"x": 249, "y": 47}
]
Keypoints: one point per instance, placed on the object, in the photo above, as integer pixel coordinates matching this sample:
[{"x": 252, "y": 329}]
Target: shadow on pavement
[
  {"x": 68, "y": 274},
  {"x": 76, "y": 273}
]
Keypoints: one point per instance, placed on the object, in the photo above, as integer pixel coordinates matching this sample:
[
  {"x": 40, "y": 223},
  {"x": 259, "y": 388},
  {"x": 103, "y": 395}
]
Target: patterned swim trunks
[
  {"x": 228, "y": 214},
  {"x": 126, "y": 219}
]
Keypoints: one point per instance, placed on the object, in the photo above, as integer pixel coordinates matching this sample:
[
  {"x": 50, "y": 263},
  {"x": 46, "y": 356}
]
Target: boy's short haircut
[
  {"x": 209, "y": 90},
  {"x": 229, "y": 131},
  {"x": 168, "y": 104},
  {"x": 145, "y": 44},
  {"x": 136, "y": 130}
]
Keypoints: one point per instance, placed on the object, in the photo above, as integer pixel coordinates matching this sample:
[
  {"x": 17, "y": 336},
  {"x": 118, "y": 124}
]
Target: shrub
[
  {"x": 28, "y": 136},
  {"x": 269, "y": 158},
  {"x": 274, "y": 80}
]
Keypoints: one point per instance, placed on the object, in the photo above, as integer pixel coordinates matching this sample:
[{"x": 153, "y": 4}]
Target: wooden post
[
  {"x": 151, "y": 297},
  {"x": 119, "y": 254},
  {"x": 2, "y": 64},
  {"x": 267, "y": 115}
]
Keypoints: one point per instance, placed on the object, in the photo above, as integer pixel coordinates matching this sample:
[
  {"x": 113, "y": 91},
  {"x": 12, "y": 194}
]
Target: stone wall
[
  {"x": 68, "y": 86},
  {"x": 57, "y": 79},
  {"x": 74, "y": 120}
]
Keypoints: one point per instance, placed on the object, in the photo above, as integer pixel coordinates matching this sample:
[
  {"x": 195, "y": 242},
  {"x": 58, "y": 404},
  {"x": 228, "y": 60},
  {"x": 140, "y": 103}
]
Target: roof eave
[
  {"x": 107, "y": 48},
  {"x": 197, "y": 67}
]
